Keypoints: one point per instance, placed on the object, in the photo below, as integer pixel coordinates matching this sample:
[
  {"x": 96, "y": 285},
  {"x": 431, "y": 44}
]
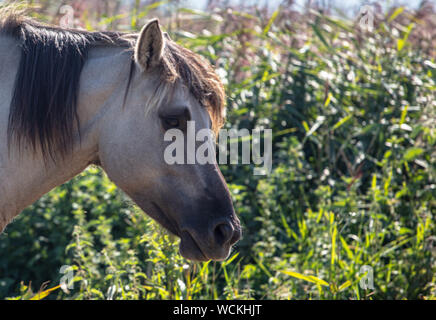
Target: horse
[{"x": 71, "y": 98}]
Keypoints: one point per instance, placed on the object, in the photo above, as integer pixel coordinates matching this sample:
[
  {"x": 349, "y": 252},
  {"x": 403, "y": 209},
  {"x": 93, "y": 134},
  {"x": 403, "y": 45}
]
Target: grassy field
[{"x": 352, "y": 191}]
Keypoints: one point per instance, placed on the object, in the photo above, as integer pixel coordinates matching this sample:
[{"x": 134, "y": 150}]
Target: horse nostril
[{"x": 223, "y": 233}]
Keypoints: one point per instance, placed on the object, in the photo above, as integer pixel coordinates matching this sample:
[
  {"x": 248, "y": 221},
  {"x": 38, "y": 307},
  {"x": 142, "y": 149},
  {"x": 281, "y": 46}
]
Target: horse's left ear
[{"x": 150, "y": 46}]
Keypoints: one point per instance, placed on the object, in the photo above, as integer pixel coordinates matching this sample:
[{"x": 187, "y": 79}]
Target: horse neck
[{"x": 24, "y": 175}]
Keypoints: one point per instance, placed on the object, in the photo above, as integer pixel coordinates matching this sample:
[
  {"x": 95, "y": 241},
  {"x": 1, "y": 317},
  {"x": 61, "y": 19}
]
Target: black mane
[{"x": 44, "y": 103}]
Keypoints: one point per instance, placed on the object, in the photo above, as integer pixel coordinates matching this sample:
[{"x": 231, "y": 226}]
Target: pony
[{"x": 71, "y": 98}]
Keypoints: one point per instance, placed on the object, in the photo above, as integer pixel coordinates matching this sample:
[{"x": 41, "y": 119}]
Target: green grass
[{"x": 353, "y": 180}]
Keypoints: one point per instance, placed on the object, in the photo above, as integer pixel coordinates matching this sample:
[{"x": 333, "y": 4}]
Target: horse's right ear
[{"x": 150, "y": 46}]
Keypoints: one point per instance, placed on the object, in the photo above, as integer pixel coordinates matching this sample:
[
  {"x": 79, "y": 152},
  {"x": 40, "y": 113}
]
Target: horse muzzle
[{"x": 214, "y": 243}]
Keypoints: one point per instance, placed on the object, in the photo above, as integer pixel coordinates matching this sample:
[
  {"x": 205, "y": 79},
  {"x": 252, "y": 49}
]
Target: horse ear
[{"x": 150, "y": 46}]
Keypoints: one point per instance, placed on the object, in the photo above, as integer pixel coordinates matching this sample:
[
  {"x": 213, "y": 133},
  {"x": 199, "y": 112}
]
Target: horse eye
[{"x": 171, "y": 122}]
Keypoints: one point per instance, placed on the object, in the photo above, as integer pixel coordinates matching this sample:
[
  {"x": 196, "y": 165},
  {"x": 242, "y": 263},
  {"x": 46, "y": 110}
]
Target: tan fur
[{"x": 191, "y": 201}]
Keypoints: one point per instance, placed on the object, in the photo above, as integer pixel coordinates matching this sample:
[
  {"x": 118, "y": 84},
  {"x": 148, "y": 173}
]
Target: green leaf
[
  {"x": 334, "y": 234},
  {"x": 412, "y": 153},
  {"x": 229, "y": 261},
  {"x": 342, "y": 121},
  {"x": 403, "y": 41},
  {"x": 271, "y": 21},
  {"x": 345, "y": 285},
  {"x": 396, "y": 13},
  {"x": 320, "y": 35},
  {"x": 312, "y": 279},
  {"x": 43, "y": 294},
  {"x": 403, "y": 114},
  {"x": 327, "y": 101}
]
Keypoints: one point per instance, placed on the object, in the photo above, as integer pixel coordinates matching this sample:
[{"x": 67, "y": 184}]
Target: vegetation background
[{"x": 353, "y": 182}]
